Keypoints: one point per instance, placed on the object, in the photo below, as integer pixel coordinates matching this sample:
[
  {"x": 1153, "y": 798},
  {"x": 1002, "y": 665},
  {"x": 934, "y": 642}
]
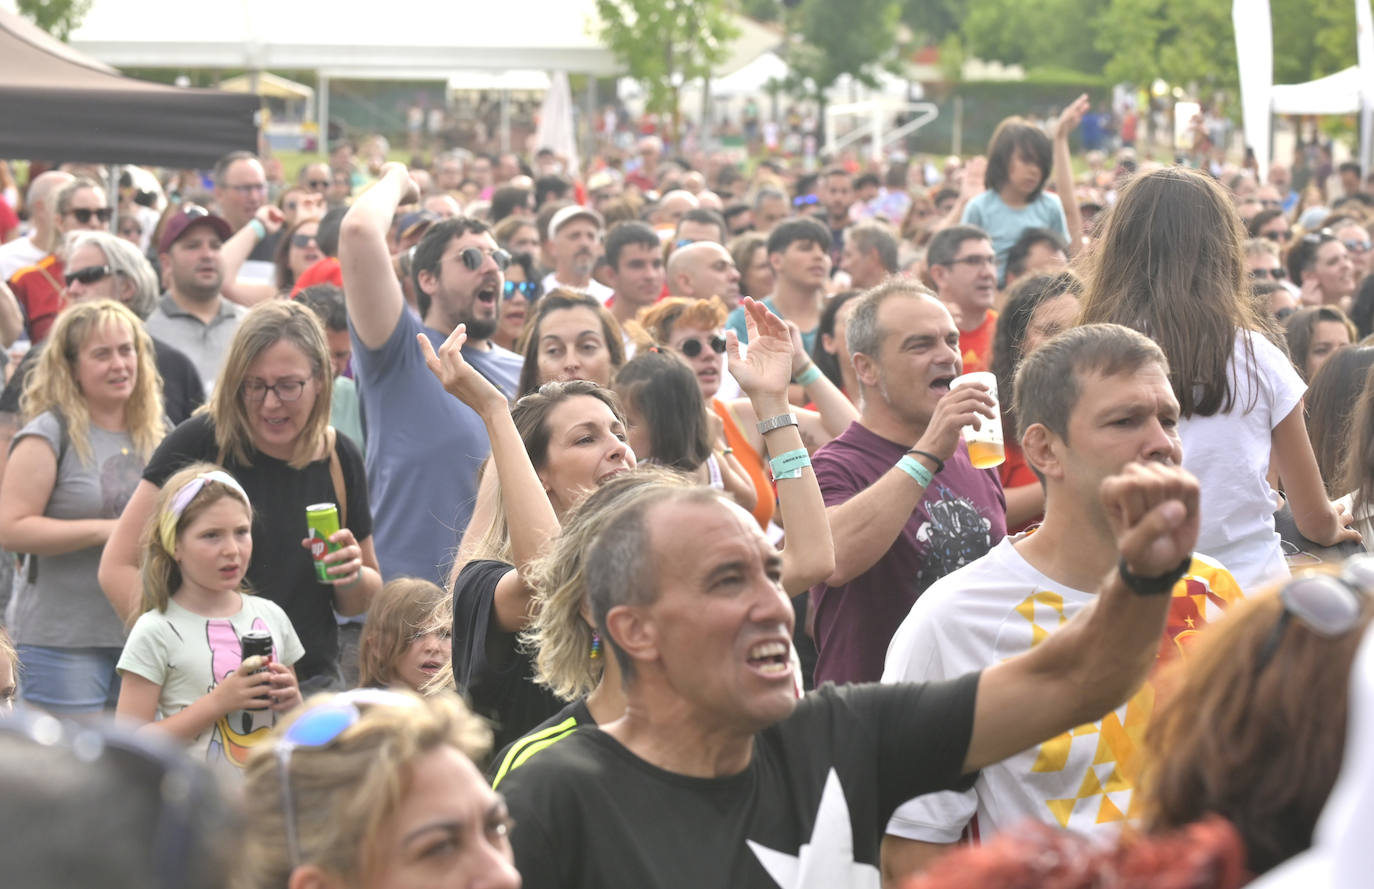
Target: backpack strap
[
  {"x": 336, "y": 474},
  {"x": 31, "y": 560}
]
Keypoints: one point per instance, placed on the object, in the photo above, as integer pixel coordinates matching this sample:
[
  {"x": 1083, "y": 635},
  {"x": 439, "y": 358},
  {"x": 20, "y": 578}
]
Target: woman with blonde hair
[
  {"x": 267, "y": 424},
  {"x": 93, "y": 417},
  {"x": 373, "y": 789}
]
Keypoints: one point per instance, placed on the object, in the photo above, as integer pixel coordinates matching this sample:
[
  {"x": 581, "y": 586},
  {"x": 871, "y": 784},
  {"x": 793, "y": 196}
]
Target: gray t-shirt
[
  {"x": 424, "y": 448},
  {"x": 205, "y": 344},
  {"x": 65, "y": 607}
]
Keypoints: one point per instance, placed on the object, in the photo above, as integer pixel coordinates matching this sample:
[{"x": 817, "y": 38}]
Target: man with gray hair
[
  {"x": 869, "y": 255},
  {"x": 721, "y": 773},
  {"x": 40, "y": 202},
  {"x": 906, "y": 504},
  {"x": 770, "y": 208}
]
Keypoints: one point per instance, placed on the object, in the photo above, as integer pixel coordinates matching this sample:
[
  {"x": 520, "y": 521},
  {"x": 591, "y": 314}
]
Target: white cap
[{"x": 573, "y": 211}]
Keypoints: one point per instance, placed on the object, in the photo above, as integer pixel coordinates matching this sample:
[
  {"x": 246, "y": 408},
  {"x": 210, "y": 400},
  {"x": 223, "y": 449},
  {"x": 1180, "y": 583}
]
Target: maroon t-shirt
[{"x": 962, "y": 515}]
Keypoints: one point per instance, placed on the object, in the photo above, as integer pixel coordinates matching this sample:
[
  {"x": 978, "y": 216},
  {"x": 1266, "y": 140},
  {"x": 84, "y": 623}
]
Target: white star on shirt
[{"x": 828, "y": 860}]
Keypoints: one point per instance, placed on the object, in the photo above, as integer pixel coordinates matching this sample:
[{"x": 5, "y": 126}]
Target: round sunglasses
[
  {"x": 694, "y": 346},
  {"x": 528, "y": 289}
]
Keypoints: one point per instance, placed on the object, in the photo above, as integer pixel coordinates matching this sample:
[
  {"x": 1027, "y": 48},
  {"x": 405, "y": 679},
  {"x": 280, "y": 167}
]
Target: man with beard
[
  {"x": 573, "y": 242},
  {"x": 424, "y": 447},
  {"x": 192, "y": 316}
]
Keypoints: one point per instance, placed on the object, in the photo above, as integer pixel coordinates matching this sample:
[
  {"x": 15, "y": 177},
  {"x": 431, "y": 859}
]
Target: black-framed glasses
[
  {"x": 286, "y": 391},
  {"x": 85, "y": 214},
  {"x": 182, "y": 787},
  {"x": 1278, "y": 237},
  {"x": 693, "y": 346},
  {"x": 320, "y": 726},
  {"x": 473, "y": 257},
  {"x": 1262, "y": 274},
  {"x": 302, "y": 240},
  {"x": 1329, "y": 604},
  {"x": 528, "y": 289},
  {"x": 89, "y": 275}
]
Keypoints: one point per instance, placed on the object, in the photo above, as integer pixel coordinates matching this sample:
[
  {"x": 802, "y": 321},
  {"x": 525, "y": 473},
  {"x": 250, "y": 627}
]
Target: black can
[{"x": 257, "y": 642}]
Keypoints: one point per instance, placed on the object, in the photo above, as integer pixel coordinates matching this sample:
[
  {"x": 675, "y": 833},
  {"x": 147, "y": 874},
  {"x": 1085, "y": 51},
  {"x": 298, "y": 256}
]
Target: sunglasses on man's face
[
  {"x": 83, "y": 214},
  {"x": 693, "y": 347},
  {"x": 528, "y": 289},
  {"x": 88, "y": 275},
  {"x": 1262, "y": 274},
  {"x": 473, "y": 257}
]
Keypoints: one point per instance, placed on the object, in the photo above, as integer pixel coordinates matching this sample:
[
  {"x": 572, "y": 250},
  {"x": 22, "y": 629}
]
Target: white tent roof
[
  {"x": 268, "y": 84},
  {"x": 415, "y": 36},
  {"x": 1337, "y": 93}
]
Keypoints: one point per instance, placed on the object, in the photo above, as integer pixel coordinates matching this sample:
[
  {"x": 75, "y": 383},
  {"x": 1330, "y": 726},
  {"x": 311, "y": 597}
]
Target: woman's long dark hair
[{"x": 1336, "y": 391}]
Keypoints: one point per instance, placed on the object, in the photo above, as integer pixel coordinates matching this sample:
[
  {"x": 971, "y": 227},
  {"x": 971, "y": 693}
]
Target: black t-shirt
[
  {"x": 282, "y": 569},
  {"x": 489, "y": 665},
  {"x": 589, "y": 813},
  {"x": 182, "y": 389},
  {"x": 554, "y": 729}
]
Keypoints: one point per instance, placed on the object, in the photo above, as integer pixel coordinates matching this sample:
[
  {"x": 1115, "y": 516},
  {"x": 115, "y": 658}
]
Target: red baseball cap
[{"x": 187, "y": 216}]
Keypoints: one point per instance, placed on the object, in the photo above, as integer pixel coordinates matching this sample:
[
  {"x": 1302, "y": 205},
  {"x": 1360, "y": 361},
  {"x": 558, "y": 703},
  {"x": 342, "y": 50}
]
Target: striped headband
[{"x": 167, "y": 522}]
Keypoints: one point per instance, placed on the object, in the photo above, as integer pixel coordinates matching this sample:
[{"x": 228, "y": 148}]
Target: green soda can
[{"x": 323, "y": 521}]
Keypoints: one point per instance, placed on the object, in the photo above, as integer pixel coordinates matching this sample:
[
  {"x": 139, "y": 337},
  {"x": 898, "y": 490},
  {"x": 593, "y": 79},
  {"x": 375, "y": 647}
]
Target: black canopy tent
[{"x": 59, "y": 105}]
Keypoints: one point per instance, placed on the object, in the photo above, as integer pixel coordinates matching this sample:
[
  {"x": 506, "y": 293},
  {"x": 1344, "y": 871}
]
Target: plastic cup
[{"x": 985, "y": 449}]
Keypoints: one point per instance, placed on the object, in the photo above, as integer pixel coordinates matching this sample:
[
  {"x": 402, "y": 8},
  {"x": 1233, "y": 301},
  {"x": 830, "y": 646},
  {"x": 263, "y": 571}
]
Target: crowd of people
[{"x": 494, "y": 522}]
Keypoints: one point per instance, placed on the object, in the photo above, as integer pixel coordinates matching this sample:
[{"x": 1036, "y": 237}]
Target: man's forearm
[{"x": 866, "y": 525}]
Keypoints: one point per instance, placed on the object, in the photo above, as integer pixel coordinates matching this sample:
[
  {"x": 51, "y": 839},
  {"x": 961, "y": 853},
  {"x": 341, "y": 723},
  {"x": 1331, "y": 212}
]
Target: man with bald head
[
  {"x": 703, "y": 270},
  {"x": 23, "y": 252},
  {"x": 671, "y": 208}
]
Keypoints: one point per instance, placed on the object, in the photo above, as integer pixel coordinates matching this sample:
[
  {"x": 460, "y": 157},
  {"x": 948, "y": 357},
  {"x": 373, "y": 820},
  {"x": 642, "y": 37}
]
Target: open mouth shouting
[
  {"x": 772, "y": 659},
  {"x": 941, "y": 384}
]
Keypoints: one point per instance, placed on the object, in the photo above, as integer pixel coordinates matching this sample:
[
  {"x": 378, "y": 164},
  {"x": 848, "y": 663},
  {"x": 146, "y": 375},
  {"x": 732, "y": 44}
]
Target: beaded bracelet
[
  {"x": 917, "y": 470},
  {"x": 790, "y": 464}
]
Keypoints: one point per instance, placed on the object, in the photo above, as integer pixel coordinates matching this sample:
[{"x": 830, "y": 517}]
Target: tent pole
[
  {"x": 322, "y": 141},
  {"x": 112, "y": 195}
]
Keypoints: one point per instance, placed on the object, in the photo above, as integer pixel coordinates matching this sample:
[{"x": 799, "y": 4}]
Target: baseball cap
[
  {"x": 573, "y": 211},
  {"x": 187, "y": 216},
  {"x": 416, "y": 222}
]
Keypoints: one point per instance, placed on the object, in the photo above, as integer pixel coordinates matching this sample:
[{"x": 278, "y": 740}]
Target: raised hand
[
  {"x": 410, "y": 192},
  {"x": 1153, "y": 511},
  {"x": 460, "y": 379},
  {"x": 1072, "y": 116},
  {"x": 271, "y": 218},
  {"x": 975, "y": 171},
  {"x": 767, "y": 366}
]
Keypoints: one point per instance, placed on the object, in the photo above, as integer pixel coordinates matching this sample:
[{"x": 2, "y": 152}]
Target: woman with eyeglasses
[
  {"x": 296, "y": 250},
  {"x": 1355, "y": 236},
  {"x": 93, "y": 416},
  {"x": 522, "y": 292},
  {"x": 1170, "y": 262},
  {"x": 1253, "y": 728},
  {"x": 268, "y": 426},
  {"x": 694, "y": 329},
  {"x": 373, "y": 789},
  {"x": 1320, "y": 264},
  {"x": 571, "y": 337}
]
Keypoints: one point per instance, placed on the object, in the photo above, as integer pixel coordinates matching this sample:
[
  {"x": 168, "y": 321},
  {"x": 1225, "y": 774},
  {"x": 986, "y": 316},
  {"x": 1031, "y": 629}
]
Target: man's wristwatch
[
  {"x": 1153, "y": 586},
  {"x": 781, "y": 420}
]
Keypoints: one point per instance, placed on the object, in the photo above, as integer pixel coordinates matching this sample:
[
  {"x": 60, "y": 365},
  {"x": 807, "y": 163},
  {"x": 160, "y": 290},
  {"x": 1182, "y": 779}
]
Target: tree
[
  {"x": 58, "y": 17},
  {"x": 665, "y": 43},
  {"x": 840, "y": 38},
  {"x": 1062, "y": 34},
  {"x": 1181, "y": 41}
]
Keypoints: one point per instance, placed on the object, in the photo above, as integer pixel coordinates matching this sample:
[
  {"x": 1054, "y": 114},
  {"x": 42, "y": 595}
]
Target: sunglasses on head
[
  {"x": 320, "y": 726},
  {"x": 194, "y": 211},
  {"x": 1261, "y": 274},
  {"x": 83, "y": 214},
  {"x": 1319, "y": 237},
  {"x": 302, "y": 240},
  {"x": 473, "y": 257},
  {"x": 528, "y": 289},
  {"x": 88, "y": 275},
  {"x": 1329, "y": 604},
  {"x": 693, "y": 347}
]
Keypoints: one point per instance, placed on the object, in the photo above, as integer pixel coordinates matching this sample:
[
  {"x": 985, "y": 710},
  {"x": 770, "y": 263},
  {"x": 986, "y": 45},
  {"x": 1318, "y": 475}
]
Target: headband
[{"x": 167, "y": 522}]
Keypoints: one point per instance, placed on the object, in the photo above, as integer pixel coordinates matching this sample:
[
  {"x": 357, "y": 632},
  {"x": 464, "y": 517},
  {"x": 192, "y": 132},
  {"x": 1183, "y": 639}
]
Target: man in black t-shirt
[{"x": 717, "y": 775}]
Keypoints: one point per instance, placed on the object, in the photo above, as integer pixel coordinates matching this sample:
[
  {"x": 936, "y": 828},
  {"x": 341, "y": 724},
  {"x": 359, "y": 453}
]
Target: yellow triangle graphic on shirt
[
  {"x": 1053, "y": 754},
  {"x": 970, "y": 357},
  {"x": 1108, "y": 812},
  {"x": 1061, "y": 809},
  {"x": 1091, "y": 786}
]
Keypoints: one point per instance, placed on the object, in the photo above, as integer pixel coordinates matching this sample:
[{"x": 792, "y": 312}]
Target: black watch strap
[{"x": 1153, "y": 586}]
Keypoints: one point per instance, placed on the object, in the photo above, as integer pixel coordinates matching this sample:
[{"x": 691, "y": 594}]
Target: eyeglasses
[
  {"x": 286, "y": 390},
  {"x": 693, "y": 347},
  {"x": 527, "y": 289},
  {"x": 1329, "y": 604},
  {"x": 320, "y": 726},
  {"x": 182, "y": 788},
  {"x": 83, "y": 214},
  {"x": 89, "y": 275},
  {"x": 248, "y": 188},
  {"x": 1278, "y": 237},
  {"x": 302, "y": 240},
  {"x": 974, "y": 262},
  {"x": 806, "y": 200},
  {"x": 473, "y": 257},
  {"x": 1357, "y": 246},
  {"x": 1261, "y": 274}
]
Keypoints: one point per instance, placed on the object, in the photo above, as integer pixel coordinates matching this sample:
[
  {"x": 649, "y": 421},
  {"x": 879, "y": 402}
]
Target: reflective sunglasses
[
  {"x": 194, "y": 211},
  {"x": 320, "y": 726},
  {"x": 285, "y": 390},
  {"x": 1329, "y": 604},
  {"x": 83, "y": 214},
  {"x": 1319, "y": 237},
  {"x": 89, "y": 275},
  {"x": 806, "y": 200},
  {"x": 693, "y": 347},
  {"x": 473, "y": 257},
  {"x": 1357, "y": 246},
  {"x": 302, "y": 240},
  {"x": 1261, "y": 274},
  {"x": 527, "y": 289}
]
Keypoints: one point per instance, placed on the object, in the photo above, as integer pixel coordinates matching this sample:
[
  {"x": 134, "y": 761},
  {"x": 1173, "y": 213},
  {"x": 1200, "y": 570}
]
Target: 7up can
[{"x": 322, "y": 520}]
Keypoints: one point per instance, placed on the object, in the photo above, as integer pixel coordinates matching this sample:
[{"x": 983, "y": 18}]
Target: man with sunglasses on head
[
  {"x": 1091, "y": 402},
  {"x": 80, "y": 205},
  {"x": 963, "y": 267},
  {"x": 424, "y": 447}
]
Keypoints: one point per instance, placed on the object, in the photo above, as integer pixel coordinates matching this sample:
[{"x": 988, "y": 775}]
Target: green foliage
[
  {"x": 849, "y": 37},
  {"x": 58, "y": 17},
  {"x": 934, "y": 20},
  {"x": 1051, "y": 31},
  {"x": 761, "y": 10},
  {"x": 1312, "y": 38},
  {"x": 664, "y": 43}
]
